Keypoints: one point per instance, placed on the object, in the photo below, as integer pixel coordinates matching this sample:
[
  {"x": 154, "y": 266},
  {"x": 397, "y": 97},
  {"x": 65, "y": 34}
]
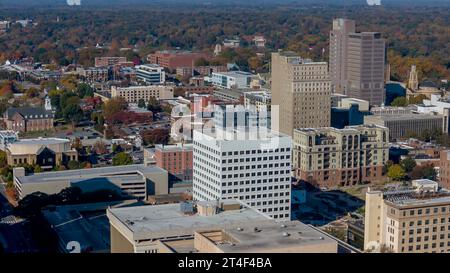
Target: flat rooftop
[
  {"x": 174, "y": 148},
  {"x": 174, "y": 51},
  {"x": 259, "y": 133},
  {"x": 352, "y": 128},
  {"x": 155, "y": 222},
  {"x": 84, "y": 223},
  {"x": 88, "y": 173},
  {"x": 253, "y": 237},
  {"x": 40, "y": 141},
  {"x": 413, "y": 198},
  {"x": 264, "y": 94},
  {"x": 420, "y": 192},
  {"x": 406, "y": 117},
  {"x": 234, "y": 73},
  {"x": 149, "y": 65}
]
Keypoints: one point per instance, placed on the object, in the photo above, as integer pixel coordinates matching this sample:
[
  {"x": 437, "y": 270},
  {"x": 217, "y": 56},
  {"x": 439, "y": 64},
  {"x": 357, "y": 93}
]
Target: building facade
[
  {"x": 365, "y": 67},
  {"x": 300, "y": 92},
  {"x": 231, "y": 117},
  {"x": 330, "y": 157},
  {"x": 217, "y": 227},
  {"x": 402, "y": 125},
  {"x": 45, "y": 152},
  {"x": 28, "y": 119},
  {"x": 261, "y": 99},
  {"x": 151, "y": 74},
  {"x": 95, "y": 74},
  {"x": 109, "y": 61},
  {"x": 133, "y": 94},
  {"x": 357, "y": 62},
  {"x": 232, "y": 79},
  {"x": 172, "y": 59},
  {"x": 348, "y": 112},
  {"x": 207, "y": 70},
  {"x": 338, "y": 53},
  {"x": 176, "y": 160},
  {"x": 254, "y": 167},
  {"x": 414, "y": 219},
  {"x": 129, "y": 181},
  {"x": 444, "y": 169}
]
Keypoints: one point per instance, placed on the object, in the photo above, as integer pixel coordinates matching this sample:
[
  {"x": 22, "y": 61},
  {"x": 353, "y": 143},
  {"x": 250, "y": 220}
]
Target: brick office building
[
  {"x": 26, "y": 119},
  {"x": 172, "y": 59}
]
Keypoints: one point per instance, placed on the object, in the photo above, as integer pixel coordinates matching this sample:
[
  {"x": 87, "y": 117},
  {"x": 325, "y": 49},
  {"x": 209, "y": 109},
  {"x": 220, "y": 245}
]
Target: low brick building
[
  {"x": 175, "y": 159},
  {"x": 172, "y": 59},
  {"x": 27, "y": 119}
]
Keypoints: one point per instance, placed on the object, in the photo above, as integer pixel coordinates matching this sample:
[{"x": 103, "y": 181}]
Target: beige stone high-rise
[
  {"x": 301, "y": 90},
  {"x": 357, "y": 62},
  {"x": 338, "y": 53},
  {"x": 408, "y": 219}
]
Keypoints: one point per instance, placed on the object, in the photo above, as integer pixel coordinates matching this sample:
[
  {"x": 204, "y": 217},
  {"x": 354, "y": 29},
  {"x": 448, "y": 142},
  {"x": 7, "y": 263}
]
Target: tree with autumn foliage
[
  {"x": 113, "y": 106},
  {"x": 7, "y": 89}
]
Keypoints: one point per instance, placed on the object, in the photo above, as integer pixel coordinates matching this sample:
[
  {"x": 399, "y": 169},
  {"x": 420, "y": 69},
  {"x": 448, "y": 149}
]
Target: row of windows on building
[
  {"x": 248, "y": 167},
  {"x": 255, "y": 159},
  {"x": 265, "y": 195},
  {"x": 426, "y": 211},
  {"x": 426, "y": 247},
  {"x": 253, "y": 174}
]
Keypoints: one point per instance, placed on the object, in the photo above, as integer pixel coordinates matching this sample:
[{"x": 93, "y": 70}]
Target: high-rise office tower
[
  {"x": 252, "y": 164},
  {"x": 357, "y": 62},
  {"x": 338, "y": 53},
  {"x": 365, "y": 67},
  {"x": 300, "y": 93}
]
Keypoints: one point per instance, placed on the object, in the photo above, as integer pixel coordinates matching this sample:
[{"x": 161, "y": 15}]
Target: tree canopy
[
  {"x": 122, "y": 158},
  {"x": 396, "y": 172}
]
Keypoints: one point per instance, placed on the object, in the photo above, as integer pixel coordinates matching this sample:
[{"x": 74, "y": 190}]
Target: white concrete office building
[
  {"x": 253, "y": 166},
  {"x": 151, "y": 73},
  {"x": 232, "y": 79}
]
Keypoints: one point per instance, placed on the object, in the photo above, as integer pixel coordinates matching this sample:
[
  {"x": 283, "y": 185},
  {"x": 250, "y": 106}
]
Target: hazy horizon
[{"x": 43, "y": 3}]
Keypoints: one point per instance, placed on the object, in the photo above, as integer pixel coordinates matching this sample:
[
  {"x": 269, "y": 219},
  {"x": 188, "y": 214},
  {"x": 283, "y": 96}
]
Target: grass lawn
[{"x": 33, "y": 134}]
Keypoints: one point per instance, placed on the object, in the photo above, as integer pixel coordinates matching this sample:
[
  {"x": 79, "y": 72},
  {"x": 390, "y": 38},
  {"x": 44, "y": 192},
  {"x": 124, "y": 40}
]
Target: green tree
[
  {"x": 37, "y": 169},
  {"x": 84, "y": 90},
  {"x": 399, "y": 102},
  {"x": 73, "y": 165},
  {"x": 3, "y": 159},
  {"x": 425, "y": 135},
  {"x": 73, "y": 113},
  {"x": 154, "y": 105},
  {"x": 408, "y": 164},
  {"x": 122, "y": 158},
  {"x": 141, "y": 103},
  {"x": 429, "y": 173},
  {"x": 396, "y": 172}
]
